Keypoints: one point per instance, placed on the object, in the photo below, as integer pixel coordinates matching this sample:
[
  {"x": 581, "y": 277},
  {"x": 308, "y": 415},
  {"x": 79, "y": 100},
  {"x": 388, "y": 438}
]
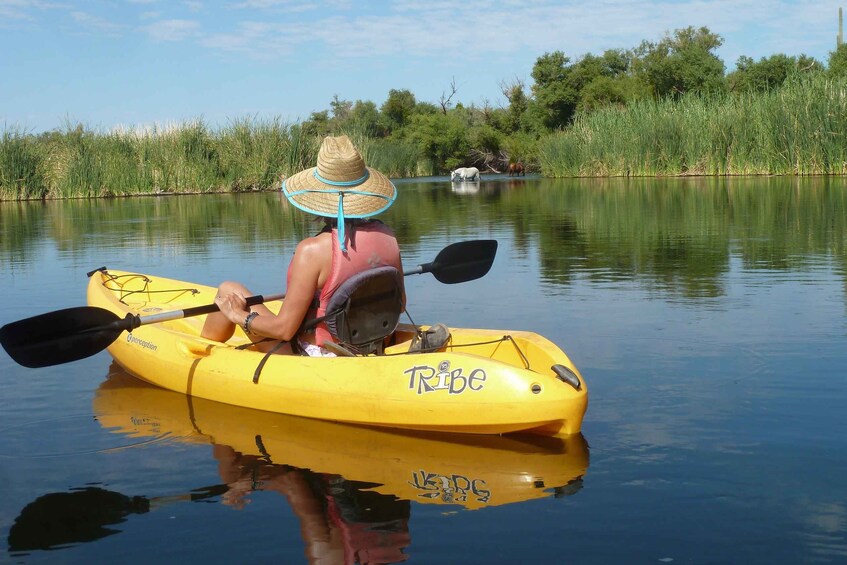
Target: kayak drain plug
[{"x": 566, "y": 376}]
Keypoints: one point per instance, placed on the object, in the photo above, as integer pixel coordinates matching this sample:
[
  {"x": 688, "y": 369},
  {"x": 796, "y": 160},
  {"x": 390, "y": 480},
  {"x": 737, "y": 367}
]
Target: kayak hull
[{"x": 485, "y": 381}]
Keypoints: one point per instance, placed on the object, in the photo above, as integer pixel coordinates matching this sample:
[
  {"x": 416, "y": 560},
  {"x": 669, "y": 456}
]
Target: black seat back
[{"x": 366, "y": 309}]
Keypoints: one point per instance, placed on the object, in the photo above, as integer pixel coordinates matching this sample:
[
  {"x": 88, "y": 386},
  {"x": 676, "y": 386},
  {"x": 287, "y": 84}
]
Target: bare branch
[{"x": 445, "y": 100}]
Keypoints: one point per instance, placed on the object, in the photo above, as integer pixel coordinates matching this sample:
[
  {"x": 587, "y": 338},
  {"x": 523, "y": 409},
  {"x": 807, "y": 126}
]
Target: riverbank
[
  {"x": 798, "y": 129},
  {"x": 186, "y": 159}
]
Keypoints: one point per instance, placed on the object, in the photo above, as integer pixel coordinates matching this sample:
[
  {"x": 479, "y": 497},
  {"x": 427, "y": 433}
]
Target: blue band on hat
[
  {"x": 340, "y": 192},
  {"x": 390, "y": 199}
]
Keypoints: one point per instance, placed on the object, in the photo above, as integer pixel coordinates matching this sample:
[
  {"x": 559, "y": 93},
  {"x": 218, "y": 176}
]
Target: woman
[{"x": 345, "y": 192}]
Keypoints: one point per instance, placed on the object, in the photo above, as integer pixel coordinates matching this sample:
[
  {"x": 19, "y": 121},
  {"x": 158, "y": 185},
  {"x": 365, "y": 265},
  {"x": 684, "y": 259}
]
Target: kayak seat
[{"x": 366, "y": 309}]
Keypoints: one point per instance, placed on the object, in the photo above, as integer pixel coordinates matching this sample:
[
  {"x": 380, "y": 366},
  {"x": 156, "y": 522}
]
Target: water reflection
[
  {"x": 62, "y": 519},
  {"x": 674, "y": 235},
  {"x": 465, "y": 187},
  {"x": 350, "y": 487},
  {"x": 341, "y": 521}
]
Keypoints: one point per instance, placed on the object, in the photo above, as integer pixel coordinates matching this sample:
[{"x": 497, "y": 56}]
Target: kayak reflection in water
[{"x": 339, "y": 521}]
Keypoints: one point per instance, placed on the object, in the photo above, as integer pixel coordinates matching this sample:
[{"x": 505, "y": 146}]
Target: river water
[{"x": 707, "y": 316}]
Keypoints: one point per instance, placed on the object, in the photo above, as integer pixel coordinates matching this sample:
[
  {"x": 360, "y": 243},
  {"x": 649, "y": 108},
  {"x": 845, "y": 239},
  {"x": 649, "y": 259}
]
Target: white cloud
[
  {"x": 276, "y": 5},
  {"x": 173, "y": 30},
  {"x": 23, "y": 9},
  {"x": 88, "y": 22},
  {"x": 476, "y": 28},
  {"x": 471, "y": 31},
  {"x": 259, "y": 40}
]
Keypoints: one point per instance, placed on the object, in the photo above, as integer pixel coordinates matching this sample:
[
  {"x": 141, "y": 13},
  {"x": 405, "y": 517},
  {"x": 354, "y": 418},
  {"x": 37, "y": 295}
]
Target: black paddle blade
[
  {"x": 463, "y": 261},
  {"x": 64, "y": 518},
  {"x": 60, "y": 519},
  {"x": 61, "y": 336}
]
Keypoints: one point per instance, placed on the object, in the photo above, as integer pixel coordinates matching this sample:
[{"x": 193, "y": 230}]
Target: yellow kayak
[
  {"x": 471, "y": 471},
  {"x": 483, "y": 381}
]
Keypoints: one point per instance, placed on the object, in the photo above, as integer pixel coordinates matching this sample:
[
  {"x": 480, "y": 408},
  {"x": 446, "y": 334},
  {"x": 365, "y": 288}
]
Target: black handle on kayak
[{"x": 71, "y": 334}]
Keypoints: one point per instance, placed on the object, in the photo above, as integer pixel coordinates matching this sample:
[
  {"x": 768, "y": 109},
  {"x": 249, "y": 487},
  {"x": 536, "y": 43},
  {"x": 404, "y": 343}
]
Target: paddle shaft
[{"x": 200, "y": 310}]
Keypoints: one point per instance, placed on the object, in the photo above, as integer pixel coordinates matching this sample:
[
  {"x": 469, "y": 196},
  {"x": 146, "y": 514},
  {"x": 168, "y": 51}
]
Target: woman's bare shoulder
[{"x": 315, "y": 247}]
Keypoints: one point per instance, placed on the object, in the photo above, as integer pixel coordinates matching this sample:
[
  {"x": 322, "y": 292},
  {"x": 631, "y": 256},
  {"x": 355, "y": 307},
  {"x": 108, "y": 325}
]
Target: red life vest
[{"x": 369, "y": 245}]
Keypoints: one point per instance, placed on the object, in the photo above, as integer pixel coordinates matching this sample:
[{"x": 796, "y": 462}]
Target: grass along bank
[
  {"x": 189, "y": 158},
  {"x": 798, "y": 129}
]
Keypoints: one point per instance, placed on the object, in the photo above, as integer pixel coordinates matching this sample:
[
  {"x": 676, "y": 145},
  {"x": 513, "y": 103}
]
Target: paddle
[
  {"x": 460, "y": 262},
  {"x": 76, "y": 333},
  {"x": 81, "y": 515}
]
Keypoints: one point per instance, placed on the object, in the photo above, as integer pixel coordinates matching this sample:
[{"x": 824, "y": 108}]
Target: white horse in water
[{"x": 465, "y": 174}]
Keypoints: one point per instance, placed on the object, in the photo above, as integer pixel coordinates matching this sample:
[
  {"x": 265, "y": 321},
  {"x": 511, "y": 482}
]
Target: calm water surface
[{"x": 708, "y": 317}]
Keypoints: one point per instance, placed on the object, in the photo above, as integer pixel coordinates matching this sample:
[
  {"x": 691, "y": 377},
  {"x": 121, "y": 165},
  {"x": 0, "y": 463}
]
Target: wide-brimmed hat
[{"x": 340, "y": 185}]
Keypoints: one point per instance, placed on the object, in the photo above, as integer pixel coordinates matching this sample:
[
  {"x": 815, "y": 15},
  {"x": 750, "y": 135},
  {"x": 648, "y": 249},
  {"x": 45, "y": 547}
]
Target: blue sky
[{"x": 136, "y": 63}]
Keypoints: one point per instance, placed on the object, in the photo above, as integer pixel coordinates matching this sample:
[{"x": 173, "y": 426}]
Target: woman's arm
[{"x": 309, "y": 268}]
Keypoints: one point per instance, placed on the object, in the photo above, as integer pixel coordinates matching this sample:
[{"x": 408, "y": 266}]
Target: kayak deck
[{"x": 483, "y": 381}]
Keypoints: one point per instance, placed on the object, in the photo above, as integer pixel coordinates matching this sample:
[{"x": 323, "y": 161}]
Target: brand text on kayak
[
  {"x": 132, "y": 339},
  {"x": 424, "y": 378},
  {"x": 449, "y": 488}
]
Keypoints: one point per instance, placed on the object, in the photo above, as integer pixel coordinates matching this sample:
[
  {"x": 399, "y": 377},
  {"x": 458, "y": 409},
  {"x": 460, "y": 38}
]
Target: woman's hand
[{"x": 233, "y": 306}]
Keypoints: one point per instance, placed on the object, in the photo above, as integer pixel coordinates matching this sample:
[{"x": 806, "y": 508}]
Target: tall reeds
[
  {"x": 21, "y": 167},
  {"x": 246, "y": 155},
  {"x": 798, "y": 129}
]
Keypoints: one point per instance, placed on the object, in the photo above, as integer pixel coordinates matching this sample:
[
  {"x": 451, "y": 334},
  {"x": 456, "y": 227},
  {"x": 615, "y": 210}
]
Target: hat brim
[{"x": 310, "y": 194}]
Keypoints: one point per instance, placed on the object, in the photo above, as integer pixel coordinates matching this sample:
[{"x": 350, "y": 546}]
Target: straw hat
[{"x": 341, "y": 185}]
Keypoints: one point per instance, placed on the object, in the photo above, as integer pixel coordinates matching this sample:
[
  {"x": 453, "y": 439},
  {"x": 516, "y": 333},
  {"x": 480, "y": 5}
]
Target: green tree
[
  {"x": 318, "y": 124},
  {"x": 521, "y": 147},
  {"x": 518, "y": 104},
  {"x": 682, "y": 62},
  {"x": 398, "y": 108},
  {"x": 364, "y": 117},
  {"x": 806, "y": 64},
  {"x": 485, "y": 144},
  {"x": 606, "y": 91},
  {"x": 554, "y": 96},
  {"x": 607, "y": 79},
  {"x": 340, "y": 109},
  {"x": 593, "y": 81},
  {"x": 769, "y": 72},
  {"x": 837, "y": 63},
  {"x": 441, "y": 138},
  {"x": 426, "y": 108}
]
